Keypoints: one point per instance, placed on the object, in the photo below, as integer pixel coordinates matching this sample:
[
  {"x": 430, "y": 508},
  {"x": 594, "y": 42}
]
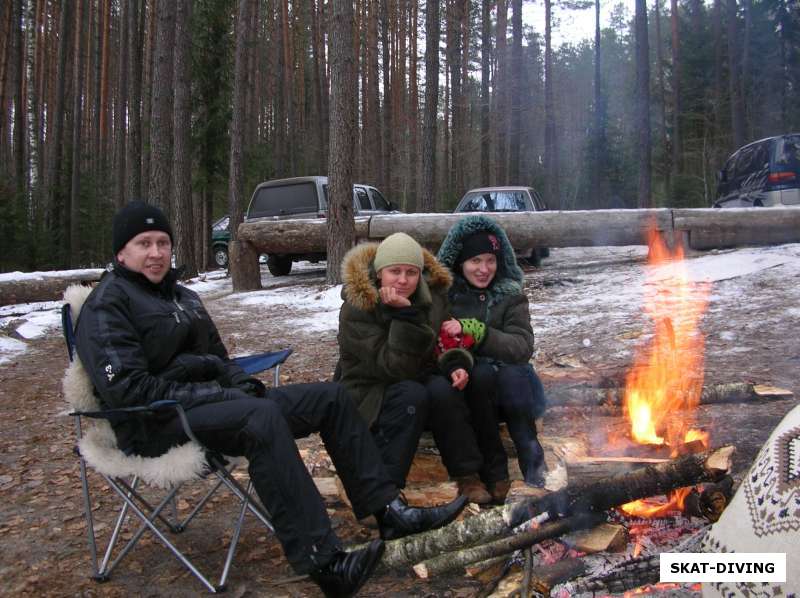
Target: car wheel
[
  {"x": 279, "y": 265},
  {"x": 535, "y": 259},
  {"x": 221, "y": 256}
]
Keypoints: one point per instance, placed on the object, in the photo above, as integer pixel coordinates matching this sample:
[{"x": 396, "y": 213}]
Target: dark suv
[
  {"x": 762, "y": 173},
  {"x": 507, "y": 199}
]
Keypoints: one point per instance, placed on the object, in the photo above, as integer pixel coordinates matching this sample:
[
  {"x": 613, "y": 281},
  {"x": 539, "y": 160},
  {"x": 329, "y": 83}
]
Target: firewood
[
  {"x": 626, "y": 576},
  {"x": 711, "y": 501},
  {"x": 573, "y": 499},
  {"x": 772, "y": 392},
  {"x": 734, "y": 392},
  {"x": 455, "y": 560},
  {"x": 545, "y": 577},
  {"x": 588, "y": 469},
  {"x": 610, "y": 537}
]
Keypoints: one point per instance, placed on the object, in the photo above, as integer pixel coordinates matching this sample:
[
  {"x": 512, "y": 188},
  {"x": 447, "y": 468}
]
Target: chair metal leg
[
  {"x": 104, "y": 570},
  {"x": 237, "y": 532},
  {"x": 148, "y": 522},
  {"x": 255, "y": 508},
  {"x": 87, "y": 504}
]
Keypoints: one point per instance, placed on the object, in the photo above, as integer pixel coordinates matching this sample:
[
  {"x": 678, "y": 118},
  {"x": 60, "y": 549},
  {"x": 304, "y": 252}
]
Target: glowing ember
[{"x": 663, "y": 387}]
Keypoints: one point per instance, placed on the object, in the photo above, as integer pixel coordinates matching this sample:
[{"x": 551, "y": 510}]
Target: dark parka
[
  {"x": 141, "y": 342},
  {"x": 380, "y": 345},
  {"x": 502, "y": 307}
]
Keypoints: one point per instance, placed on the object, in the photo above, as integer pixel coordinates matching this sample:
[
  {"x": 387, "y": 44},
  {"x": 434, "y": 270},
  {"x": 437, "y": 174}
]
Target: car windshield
[
  {"x": 494, "y": 201},
  {"x": 221, "y": 224}
]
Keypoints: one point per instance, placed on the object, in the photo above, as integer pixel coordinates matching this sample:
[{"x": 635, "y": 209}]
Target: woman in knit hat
[
  {"x": 395, "y": 300},
  {"x": 489, "y": 307}
]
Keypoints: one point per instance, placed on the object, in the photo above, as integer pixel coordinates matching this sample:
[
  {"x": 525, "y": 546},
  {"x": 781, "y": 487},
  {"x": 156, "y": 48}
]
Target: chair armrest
[{"x": 154, "y": 407}]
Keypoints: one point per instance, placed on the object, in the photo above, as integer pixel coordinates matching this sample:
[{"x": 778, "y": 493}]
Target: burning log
[
  {"x": 455, "y": 560},
  {"x": 734, "y": 392},
  {"x": 627, "y": 576},
  {"x": 573, "y": 500},
  {"x": 711, "y": 501},
  {"x": 585, "y": 469}
]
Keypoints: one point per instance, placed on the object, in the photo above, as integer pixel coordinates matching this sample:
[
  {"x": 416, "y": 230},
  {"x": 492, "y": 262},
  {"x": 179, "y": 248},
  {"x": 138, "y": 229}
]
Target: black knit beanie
[
  {"x": 478, "y": 243},
  {"x": 134, "y": 218}
]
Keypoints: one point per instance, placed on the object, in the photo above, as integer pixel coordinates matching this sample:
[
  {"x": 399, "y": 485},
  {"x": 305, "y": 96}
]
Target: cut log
[
  {"x": 772, "y": 392},
  {"x": 43, "y": 286},
  {"x": 573, "y": 499},
  {"x": 606, "y": 537},
  {"x": 627, "y": 576},
  {"x": 545, "y": 577},
  {"x": 586, "y": 469},
  {"x": 452, "y": 561},
  {"x": 735, "y": 392},
  {"x": 735, "y": 227},
  {"x": 293, "y": 236}
]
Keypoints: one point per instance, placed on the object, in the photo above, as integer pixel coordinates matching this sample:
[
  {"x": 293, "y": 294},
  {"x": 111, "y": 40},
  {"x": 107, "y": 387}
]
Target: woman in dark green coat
[
  {"x": 395, "y": 300},
  {"x": 489, "y": 304}
]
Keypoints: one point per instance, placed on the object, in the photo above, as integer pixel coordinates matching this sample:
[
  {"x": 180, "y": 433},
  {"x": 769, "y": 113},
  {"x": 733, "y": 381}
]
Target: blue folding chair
[{"x": 96, "y": 448}]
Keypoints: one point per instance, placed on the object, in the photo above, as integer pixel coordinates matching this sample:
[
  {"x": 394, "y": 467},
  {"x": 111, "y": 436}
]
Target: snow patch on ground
[{"x": 10, "y": 348}]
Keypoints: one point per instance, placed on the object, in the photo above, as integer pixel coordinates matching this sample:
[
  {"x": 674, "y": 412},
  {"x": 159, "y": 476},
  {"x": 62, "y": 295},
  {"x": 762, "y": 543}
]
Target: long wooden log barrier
[
  {"x": 42, "y": 286},
  {"x": 699, "y": 228}
]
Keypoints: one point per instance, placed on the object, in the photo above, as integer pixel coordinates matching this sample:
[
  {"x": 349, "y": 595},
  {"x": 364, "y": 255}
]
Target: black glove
[
  {"x": 188, "y": 367},
  {"x": 252, "y": 386}
]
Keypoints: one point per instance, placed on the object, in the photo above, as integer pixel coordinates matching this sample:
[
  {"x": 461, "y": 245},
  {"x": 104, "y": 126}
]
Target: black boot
[
  {"x": 344, "y": 575},
  {"x": 399, "y": 520}
]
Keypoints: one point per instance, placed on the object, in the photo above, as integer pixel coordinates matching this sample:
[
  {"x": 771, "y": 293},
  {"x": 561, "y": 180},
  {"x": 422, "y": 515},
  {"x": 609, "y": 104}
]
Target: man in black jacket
[{"x": 143, "y": 338}]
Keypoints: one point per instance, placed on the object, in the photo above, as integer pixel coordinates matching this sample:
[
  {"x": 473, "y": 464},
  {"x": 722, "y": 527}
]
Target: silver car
[{"x": 507, "y": 199}]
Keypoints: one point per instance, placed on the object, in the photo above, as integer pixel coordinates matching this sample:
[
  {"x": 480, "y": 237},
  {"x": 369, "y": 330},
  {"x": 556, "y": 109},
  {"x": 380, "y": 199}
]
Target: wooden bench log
[{"x": 43, "y": 286}]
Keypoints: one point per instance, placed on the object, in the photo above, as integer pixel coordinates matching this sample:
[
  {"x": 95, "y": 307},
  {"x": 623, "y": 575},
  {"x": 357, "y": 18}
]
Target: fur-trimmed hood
[
  {"x": 361, "y": 283},
  {"x": 508, "y": 280}
]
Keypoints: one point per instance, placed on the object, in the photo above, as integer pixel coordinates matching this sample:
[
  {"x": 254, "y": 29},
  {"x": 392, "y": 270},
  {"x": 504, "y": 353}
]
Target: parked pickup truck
[{"x": 299, "y": 197}]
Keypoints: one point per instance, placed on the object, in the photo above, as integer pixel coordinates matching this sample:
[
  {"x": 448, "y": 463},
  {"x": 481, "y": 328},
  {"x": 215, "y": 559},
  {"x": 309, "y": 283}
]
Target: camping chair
[{"x": 96, "y": 448}]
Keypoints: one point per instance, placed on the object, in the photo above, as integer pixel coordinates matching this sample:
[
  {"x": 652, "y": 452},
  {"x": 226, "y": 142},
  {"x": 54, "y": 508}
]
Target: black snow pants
[{"x": 263, "y": 431}]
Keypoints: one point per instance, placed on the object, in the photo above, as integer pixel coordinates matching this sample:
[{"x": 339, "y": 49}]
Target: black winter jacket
[{"x": 140, "y": 342}]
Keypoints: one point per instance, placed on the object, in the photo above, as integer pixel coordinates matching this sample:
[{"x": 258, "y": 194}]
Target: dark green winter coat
[
  {"x": 380, "y": 345},
  {"x": 502, "y": 307}
]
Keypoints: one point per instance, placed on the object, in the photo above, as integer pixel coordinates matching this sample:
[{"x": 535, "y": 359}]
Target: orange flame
[
  {"x": 663, "y": 387},
  {"x": 667, "y": 375}
]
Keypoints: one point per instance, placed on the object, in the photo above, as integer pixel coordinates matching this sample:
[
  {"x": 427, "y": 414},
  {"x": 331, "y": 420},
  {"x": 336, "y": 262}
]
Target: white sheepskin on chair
[
  {"x": 99, "y": 445},
  {"x": 180, "y": 464}
]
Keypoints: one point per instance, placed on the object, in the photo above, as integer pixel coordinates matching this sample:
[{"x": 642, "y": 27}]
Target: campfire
[{"x": 663, "y": 387}]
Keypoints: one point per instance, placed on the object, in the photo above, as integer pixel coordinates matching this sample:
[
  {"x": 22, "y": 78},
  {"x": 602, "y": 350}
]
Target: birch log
[{"x": 574, "y": 499}]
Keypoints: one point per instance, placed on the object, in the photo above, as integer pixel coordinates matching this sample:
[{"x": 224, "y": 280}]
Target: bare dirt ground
[{"x": 751, "y": 336}]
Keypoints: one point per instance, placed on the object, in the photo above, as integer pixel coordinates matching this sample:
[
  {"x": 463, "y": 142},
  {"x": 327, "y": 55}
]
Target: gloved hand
[
  {"x": 475, "y": 328},
  {"x": 189, "y": 367},
  {"x": 252, "y": 386}
]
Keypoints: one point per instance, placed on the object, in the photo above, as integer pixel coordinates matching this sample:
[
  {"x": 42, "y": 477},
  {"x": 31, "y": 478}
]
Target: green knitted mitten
[{"x": 475, "y": 328}]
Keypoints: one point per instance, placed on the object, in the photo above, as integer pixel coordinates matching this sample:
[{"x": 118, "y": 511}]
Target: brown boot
[
  {"x": 500, "y": 490},
  {"x": 472, "y": 487}
]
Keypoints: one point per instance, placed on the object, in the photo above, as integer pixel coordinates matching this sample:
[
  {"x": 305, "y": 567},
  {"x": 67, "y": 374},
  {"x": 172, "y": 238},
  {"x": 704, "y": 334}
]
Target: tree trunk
[
  {"x": 572, "y": 500},
  {"x": 486, "y": 67},
  {"x": 55, "y": 159},
  {"x": 184, "y": 219},
  {"x": 644, "y": 195},
  {"x": 719, "y": 129},
  {"x": 501, "y": 95},
  {"x": 662, "y": 96},
  {"x": 120, "y": 113},
  {"x": 515, "y": 133},
  {"x": 136, "y": 14},
  {"x": 413, "y": 112},
  {"x": 161, "y": 134},
  {"x": 734, "y": 84},
  {"x": 341, "y": 224},
  {"x": 386, "y": 115},
  {"x": 552, "y": 194},
  {"x": 74, "y": 212},
  {"x": 243, "y": 260},
  {"x": 427, "y": 201},
  {"x": 677, "y": 149}
]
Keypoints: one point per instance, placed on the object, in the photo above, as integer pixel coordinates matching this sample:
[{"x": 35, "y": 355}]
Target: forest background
[{"x": 102, "y": 101}]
